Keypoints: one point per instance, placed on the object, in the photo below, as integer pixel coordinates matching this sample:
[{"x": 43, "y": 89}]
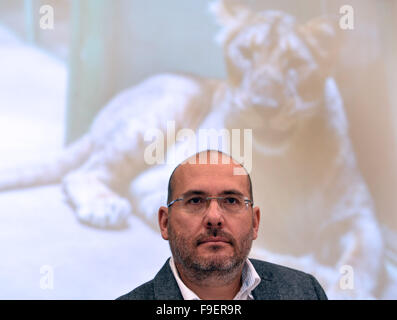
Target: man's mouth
[{"x": 214, "y": 240}]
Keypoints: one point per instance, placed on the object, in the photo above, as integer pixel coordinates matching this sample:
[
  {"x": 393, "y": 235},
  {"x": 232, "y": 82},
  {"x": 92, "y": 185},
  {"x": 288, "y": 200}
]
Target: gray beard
[{"x": 222, "y": 271}]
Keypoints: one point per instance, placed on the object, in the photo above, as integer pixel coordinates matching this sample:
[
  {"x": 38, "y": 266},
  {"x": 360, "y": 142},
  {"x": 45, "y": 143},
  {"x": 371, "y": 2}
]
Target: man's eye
[
  {"x": 195, "y": 200},
  {"x": 232, "y": 200}
]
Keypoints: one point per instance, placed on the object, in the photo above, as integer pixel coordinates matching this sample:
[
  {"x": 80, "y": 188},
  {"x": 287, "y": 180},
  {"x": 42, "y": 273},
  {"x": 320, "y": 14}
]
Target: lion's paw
[{"x": 109, "y": 212}]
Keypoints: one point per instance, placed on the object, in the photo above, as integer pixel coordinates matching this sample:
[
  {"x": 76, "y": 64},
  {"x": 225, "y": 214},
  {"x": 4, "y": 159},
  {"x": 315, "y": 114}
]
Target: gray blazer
[{"x": 277, "y": 283}]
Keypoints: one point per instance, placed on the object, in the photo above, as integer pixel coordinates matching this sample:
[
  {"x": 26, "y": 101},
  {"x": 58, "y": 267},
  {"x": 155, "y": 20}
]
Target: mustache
[{"x": 214, "y": 232}]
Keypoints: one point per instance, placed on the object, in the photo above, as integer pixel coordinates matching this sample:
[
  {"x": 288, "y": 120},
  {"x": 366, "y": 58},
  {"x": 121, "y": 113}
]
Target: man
[{"x": 210, "y": 223}]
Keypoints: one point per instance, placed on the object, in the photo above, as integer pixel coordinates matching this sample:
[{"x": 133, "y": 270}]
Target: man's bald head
[{"x": 207, "y": 157}]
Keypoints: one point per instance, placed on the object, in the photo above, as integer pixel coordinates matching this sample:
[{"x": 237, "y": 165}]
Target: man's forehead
[
  {"x": 210, "y": 157},
  {"x": 208, "y": 176},
  {"x": 207, "y": 169},
  {"x": 209, "y": 163}
]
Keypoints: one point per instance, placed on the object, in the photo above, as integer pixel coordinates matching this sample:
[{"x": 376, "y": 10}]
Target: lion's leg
[
  {"x": 99, "y": 189},
  {"x": 95, "y": 192}
]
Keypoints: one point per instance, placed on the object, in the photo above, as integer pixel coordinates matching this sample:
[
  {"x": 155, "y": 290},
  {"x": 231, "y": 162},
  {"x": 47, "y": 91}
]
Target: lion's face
[{"x": 277, "y": 70}]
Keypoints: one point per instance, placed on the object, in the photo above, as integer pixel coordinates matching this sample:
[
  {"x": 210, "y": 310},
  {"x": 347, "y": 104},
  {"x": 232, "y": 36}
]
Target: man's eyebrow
[
  {"x": 192, "y": 192},
  {"x": 233, "y": 191},
  {"x": 200, "y": 192}
]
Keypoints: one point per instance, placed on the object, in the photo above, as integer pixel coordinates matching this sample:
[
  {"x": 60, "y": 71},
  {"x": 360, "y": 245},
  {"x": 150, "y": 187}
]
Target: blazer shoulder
[
  {"x": 162, "y": 287},
  {"x": 270, "y": 270},
  {"x": 143, "y": 292},
  {"x": 296, "y": 282}
]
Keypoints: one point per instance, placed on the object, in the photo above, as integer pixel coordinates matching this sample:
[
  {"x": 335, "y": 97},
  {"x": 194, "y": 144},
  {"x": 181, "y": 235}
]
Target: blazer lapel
[
  {"x": 267, "y": 289},
  {"x": 165, "y": 285}
]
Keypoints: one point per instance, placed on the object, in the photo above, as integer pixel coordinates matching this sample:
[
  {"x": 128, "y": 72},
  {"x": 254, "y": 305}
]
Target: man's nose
[{"x": 214, "y": 215}]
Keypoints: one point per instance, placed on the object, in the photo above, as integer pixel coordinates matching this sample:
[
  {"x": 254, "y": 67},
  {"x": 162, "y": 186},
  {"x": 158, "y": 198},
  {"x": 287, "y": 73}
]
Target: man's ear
[
  {"x": 256, "y": 220},
  {"x": 163, "y": 222}
]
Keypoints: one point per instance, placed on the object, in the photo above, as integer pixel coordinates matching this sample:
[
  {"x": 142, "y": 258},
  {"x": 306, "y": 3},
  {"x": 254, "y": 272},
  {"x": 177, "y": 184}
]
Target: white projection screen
[{"x": 98, "y": 101}]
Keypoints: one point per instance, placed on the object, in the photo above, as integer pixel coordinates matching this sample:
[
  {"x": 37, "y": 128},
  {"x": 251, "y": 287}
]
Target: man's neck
[{"x": 212, "y": 288}]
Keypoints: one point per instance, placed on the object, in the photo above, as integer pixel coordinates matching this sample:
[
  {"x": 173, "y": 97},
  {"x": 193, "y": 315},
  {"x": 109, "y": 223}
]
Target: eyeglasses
[{"x": 200, "y": 204}]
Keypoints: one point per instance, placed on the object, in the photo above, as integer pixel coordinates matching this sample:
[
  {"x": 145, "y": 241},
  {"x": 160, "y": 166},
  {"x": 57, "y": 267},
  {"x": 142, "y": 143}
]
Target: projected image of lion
[{"x": 317, "y": 213}]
